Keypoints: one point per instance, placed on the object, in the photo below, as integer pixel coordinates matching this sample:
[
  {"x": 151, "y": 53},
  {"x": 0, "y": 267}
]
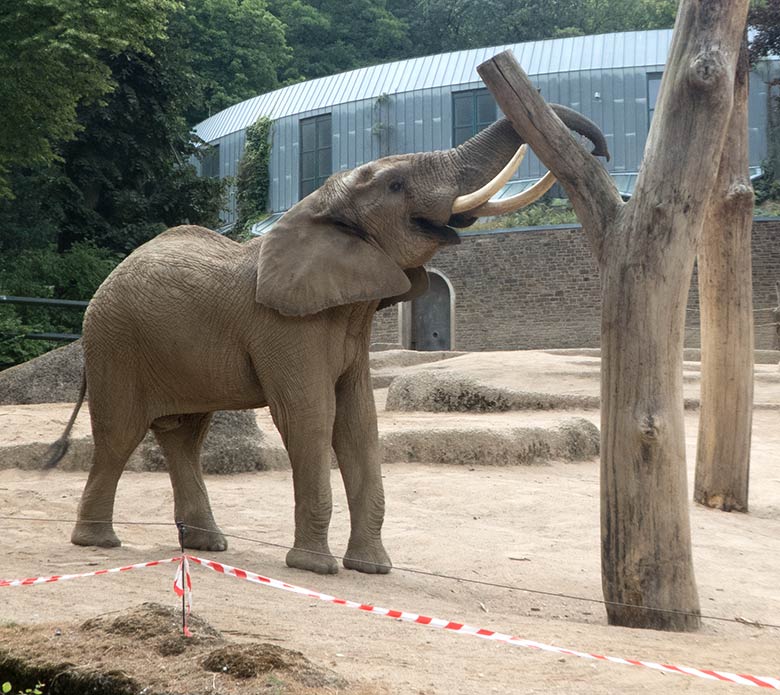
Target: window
[
  {"x": 316, "y": 152},
  {"x": 653, "y": 86},
  {"x": 209, "y": 163},
  {"x": 471, "y": 112}
]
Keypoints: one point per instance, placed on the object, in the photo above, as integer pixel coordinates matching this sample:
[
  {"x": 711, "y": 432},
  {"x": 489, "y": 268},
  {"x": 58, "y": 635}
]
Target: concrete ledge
[
  {"x": 451, "y": 392},
  {"x": 576, "y": 439}
]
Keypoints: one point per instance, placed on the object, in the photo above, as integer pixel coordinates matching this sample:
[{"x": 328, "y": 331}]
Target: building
[
  {"x": 503, "y": 289},
  {"x": 341, "y": 121}
]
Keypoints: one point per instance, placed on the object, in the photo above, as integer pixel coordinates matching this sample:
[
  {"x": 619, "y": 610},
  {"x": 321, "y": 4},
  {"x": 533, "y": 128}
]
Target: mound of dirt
[
  {"x": 155, "y": 658},
  {"x": 452, "y": 392},
  {"x": 575, "y": 439},
  {"x": 54, "y": 377}
]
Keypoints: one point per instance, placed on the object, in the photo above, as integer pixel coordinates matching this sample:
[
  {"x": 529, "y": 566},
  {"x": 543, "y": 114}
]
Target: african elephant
[{"x": 192, "y": 322}]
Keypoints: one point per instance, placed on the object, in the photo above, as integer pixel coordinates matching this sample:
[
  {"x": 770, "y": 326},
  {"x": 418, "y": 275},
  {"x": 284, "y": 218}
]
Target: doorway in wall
[{"x": 431, "y": 319}]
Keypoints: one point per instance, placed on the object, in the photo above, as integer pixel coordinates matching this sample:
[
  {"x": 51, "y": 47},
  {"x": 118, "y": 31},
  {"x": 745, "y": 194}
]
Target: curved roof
[{"x": 599, "y": 52}]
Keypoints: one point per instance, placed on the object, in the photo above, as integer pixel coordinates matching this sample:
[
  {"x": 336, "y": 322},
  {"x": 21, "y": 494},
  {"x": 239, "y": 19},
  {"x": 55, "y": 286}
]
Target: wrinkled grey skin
[{"x": 192, "y": 322}]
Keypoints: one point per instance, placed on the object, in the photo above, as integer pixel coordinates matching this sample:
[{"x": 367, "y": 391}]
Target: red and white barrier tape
[
  {"x": 183, "y": 587},
  {"x": 31, "y": 581},
  {"x": 459, "y": 628}
]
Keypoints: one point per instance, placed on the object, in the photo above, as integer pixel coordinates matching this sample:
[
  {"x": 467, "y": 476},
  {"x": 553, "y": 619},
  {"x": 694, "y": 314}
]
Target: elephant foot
[
  {"x": 371, "y": 559},
  {"x": 319, "y": 561},
  {"x": 101, "y": 535},
  {"x": 202, "y": 538}
]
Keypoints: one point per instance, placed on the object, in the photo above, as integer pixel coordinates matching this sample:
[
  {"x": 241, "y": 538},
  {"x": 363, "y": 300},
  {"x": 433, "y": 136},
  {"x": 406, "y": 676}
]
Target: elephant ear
[
  {"x": 420, "y": 284},
  {"x": 306, "y": 266}
]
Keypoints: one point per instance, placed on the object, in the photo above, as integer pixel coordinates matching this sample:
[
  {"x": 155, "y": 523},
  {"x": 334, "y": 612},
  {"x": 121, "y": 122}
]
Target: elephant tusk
[
  {"x": 515, "y": 202},
  {"x": 471, "y": 200}
]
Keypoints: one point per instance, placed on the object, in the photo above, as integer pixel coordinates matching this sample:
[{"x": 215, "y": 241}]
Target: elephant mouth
[{"x": 441, "y": 233}]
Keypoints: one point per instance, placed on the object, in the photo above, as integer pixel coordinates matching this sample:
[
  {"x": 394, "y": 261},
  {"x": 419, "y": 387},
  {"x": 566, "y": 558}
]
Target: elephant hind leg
[
  {"x": 113, "y": 447},
  {"x": 181, "y": 439}
]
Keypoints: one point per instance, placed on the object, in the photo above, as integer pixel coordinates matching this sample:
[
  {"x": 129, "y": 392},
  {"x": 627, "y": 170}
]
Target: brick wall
[
  {"x": 539, "y": 288},
  {"x": 385, "y": 328},
  {"x": 766, "y": 272}
]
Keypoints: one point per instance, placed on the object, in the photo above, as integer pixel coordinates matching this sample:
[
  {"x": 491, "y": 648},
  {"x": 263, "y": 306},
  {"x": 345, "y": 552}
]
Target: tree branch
[{"x": 590, "y": 188}]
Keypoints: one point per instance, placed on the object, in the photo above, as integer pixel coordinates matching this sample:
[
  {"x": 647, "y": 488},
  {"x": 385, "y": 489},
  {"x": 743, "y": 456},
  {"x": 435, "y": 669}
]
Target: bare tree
[
  {"x": 726, "y": 302},
  {"x": 645, "y": 249}
]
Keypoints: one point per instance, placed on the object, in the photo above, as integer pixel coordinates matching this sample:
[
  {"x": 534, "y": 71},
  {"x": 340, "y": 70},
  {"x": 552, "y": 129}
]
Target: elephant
[{"x": 193, "y": 322}]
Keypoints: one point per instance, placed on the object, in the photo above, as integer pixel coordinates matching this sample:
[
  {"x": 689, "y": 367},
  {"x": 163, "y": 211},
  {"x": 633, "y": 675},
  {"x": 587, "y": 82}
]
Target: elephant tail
[{"x": 60, "y": 447}]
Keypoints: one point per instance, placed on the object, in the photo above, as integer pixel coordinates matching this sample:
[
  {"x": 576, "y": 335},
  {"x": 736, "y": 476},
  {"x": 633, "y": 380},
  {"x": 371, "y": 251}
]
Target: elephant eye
[{"x": 396, "y": 186}]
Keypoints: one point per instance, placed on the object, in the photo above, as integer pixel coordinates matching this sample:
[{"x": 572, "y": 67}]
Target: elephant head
[{"x": 366, "y": 233}]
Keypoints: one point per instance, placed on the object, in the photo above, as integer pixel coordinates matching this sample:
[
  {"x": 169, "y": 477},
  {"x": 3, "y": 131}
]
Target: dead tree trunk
[
  {"x": 726, "y": 302},
  {"x": 645, "y": 249}
]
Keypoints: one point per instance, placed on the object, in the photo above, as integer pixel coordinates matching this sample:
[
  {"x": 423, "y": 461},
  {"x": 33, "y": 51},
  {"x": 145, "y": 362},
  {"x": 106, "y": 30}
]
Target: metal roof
[{"x": 579, "y": 53}]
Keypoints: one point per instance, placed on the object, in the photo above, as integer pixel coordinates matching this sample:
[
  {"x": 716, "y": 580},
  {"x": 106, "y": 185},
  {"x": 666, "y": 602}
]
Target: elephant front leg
[
  {"x": 356, "y": 442},
  {"x": 306, "y": 433}
]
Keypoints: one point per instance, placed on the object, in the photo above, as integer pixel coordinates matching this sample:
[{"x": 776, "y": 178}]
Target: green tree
[
  {"x": 127, "y": 174},
  {"x": 450, "y": 25},
  {"x": 43, "y": 272},
  {"x": 330, "y": 36},
  {"x": 764, "y": 18},
  {"x": 235, "y": 49},
  {"x": 604, "y": 16},
  {"x": 253, "y": 179},
  {"x": 51, "y": 59}
]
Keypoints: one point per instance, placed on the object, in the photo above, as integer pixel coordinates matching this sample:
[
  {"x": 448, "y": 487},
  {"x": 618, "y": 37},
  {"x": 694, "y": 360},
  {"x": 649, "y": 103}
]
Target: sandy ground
[{"x": 530, "y": 527}]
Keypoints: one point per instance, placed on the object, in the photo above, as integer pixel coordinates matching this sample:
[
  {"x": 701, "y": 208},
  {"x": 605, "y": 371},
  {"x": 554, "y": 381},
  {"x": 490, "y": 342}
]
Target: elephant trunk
[{"x": 481, "y": 158}]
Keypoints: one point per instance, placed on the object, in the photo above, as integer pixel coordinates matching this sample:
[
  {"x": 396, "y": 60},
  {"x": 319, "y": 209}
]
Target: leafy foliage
[
  {"x": 55, "y": 48},
  {"x": 253, "y": 179},
  {"x": 449, "y": 25},
  {"x": 37, "y": 690},
  {"x": 767, "y": 188},
  {"x": 44, "y": 272},
  {"x": 125, "y": 177},
  {"x": 764, "y": 17},
  {"x": 545, "y": 212},
  {"x": 234, "y": 49},
  {"x": 330, "y": 36}
]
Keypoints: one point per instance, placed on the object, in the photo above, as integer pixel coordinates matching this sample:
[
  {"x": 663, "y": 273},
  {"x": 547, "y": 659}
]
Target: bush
[
  {"x": 253, "y": 181},
  {"x": 75, "y": 274},
  {"x": 543, "y": 213}
]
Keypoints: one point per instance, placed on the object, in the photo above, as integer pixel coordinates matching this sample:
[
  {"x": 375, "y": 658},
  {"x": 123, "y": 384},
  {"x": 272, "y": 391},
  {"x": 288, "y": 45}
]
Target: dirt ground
[{"x": 526, "y": 527}]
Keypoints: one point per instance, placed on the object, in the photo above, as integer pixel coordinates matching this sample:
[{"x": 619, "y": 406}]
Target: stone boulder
[
  {"x": 574, "y": 439},
  {"x": 234, "y": 444},
  {"x": 54, "y": 377},
  {"x": 446, "y": 392}
]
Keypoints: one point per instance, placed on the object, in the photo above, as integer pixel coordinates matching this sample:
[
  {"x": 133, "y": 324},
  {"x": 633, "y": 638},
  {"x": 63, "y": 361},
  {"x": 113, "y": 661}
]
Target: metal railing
[{"x": 40, "y": 301}]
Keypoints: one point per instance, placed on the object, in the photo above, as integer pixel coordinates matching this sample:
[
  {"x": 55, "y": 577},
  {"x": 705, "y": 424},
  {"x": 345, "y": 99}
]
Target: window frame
[
  {"x": 210, "y": 162},
  {"x": 475, "y": 124},
  {"x": 652, "y": 77},
  {"x": 321, "y": 171}
]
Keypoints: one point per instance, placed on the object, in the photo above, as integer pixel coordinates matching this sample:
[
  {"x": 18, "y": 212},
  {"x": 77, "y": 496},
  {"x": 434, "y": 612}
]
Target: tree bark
[
  {"x": 726, "y": 303},
  {"x": 645, "y": 249}
]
